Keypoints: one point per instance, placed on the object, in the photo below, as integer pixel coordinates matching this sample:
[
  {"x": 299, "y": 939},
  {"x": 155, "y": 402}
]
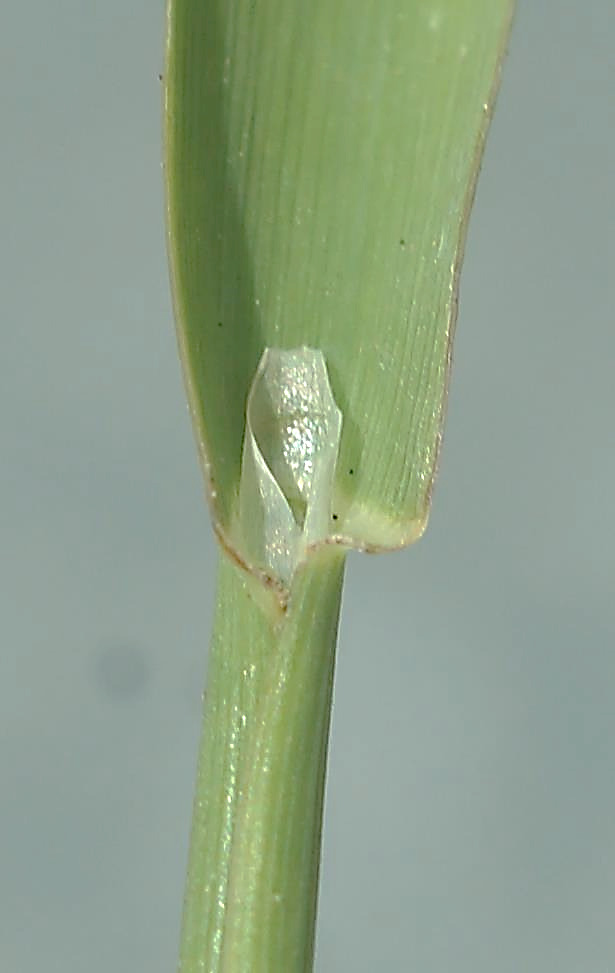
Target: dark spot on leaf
[
  {"x": 402, "y": 243},
  {"x": 351, "y": 472},
  {"x": 335, "y": 516},
  {"x": 219, "y": 324}
]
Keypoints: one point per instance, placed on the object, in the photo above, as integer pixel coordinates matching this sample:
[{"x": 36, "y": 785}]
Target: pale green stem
[{"x": 252, "y": 885}]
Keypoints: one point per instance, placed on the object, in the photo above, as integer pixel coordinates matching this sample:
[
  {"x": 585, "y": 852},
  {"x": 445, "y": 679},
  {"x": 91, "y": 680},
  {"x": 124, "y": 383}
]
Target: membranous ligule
[{"x": 293, "y": 429}]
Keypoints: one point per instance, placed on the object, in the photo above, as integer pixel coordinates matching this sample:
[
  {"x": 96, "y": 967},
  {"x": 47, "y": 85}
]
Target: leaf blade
[{"x": 320, "y": 166}]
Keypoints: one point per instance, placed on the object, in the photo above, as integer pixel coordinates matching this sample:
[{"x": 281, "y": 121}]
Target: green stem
[{"x": 252, "y": 885}]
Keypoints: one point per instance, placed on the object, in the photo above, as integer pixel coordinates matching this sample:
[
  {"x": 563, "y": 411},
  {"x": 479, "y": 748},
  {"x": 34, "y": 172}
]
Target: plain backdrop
[{"x": 470, "y": 819}]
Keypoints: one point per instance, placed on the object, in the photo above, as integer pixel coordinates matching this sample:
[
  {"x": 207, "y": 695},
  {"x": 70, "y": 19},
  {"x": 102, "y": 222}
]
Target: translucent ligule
[{"x": 293, "y": 429}]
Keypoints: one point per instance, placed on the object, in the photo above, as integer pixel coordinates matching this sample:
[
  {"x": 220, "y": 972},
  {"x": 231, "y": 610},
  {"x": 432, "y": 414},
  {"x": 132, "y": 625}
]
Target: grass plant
[{"x": 320, "y": 162}]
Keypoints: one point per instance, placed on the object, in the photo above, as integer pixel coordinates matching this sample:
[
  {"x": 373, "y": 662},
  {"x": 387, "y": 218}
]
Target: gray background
[{"x": 470, "y": 820}]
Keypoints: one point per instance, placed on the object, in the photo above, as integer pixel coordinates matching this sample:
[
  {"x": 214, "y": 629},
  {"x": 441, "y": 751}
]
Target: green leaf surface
[{"x": 320, "y": 162}]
